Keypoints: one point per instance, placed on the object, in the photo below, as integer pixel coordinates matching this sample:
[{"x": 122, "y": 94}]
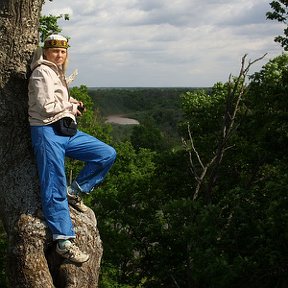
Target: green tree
[
  {"x": 147, "y": 136},
  {"x": 156, "y": 235},
  {"x": 49, "y": 25},
  {"x": 250, "y": 189},
  {"x": 90, "y": 121},
  {"x": 280, "y": 13},
  {"x": 125, "y": 217}
]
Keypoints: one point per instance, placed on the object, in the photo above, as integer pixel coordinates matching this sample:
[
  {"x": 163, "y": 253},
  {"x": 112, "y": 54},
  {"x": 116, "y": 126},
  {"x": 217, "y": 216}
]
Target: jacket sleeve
[
  {"x": 73, "y": 100},
  {"x": 50, "y": 95}
]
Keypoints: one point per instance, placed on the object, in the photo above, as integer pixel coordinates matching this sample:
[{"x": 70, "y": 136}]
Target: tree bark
[{"x": 31, "y": 253}]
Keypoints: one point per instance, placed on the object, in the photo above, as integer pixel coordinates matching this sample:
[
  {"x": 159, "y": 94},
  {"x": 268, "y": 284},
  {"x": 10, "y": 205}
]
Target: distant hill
[
  {"x": 130, "y": 100},
  {"x": 160, "y": 107}
]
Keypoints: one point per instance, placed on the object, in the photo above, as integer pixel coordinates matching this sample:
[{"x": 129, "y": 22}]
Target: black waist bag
[{"x": 65, "y": 126}]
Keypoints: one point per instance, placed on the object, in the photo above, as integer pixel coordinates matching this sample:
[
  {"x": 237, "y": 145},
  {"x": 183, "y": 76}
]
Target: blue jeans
[{"x": 50, "y": 150}]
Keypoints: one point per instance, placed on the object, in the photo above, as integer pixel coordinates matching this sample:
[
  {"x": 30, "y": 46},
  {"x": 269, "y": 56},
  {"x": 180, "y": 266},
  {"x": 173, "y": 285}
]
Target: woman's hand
[{"x": 80, "y": 109}]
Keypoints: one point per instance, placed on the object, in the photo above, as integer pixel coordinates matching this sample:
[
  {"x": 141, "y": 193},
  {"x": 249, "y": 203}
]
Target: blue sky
[{"x": 158, "y": 43}]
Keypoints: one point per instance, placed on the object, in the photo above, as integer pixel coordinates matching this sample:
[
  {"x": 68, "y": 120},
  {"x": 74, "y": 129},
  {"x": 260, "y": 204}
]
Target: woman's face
[{"x": 56, "y": 55}]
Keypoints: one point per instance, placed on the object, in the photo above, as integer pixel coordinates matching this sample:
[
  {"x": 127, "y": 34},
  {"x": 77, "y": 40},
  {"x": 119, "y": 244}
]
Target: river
[{"x": 118, "y": 119}]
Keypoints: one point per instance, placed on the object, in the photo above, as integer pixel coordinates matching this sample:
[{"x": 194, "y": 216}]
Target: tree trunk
[{"x": 32, "y": 261}]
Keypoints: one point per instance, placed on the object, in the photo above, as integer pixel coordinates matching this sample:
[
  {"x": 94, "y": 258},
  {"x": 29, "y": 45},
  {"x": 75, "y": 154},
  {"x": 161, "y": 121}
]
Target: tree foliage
[
  {"x": 280, "y": 13},
  {"x": 156, "y": 235},
  {"x": 49, "y": 24}
]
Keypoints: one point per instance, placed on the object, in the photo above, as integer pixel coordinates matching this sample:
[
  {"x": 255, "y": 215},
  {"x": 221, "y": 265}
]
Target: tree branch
[{"x": 236, "y": 89}]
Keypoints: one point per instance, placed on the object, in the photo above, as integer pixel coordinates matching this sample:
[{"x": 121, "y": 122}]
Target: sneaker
[
  {"x": 76, "y": 201},
  {"x": 71, "y": 252}
]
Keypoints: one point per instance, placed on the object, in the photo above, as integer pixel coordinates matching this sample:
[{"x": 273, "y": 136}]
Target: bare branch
[
  {"x": 193, "y": 147},
  {"x": 192, "y": 166},
  {"x": 236, "y": 89}
]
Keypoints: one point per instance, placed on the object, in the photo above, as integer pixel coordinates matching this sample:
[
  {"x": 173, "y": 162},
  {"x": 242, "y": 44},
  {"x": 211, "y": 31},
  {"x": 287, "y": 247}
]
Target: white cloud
[{"x": 161, "y": 43}]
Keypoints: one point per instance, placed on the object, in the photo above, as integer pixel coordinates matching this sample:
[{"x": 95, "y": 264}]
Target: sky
[{"x": 161, "y": 43}]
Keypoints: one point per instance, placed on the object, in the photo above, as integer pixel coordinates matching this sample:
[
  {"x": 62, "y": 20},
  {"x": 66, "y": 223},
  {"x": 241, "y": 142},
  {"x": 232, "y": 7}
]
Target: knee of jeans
[{"x": 112, "y": 153}]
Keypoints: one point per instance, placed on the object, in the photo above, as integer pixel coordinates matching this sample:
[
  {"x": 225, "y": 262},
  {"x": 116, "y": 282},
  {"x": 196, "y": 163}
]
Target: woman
[{"x": 50, "y": 107}]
